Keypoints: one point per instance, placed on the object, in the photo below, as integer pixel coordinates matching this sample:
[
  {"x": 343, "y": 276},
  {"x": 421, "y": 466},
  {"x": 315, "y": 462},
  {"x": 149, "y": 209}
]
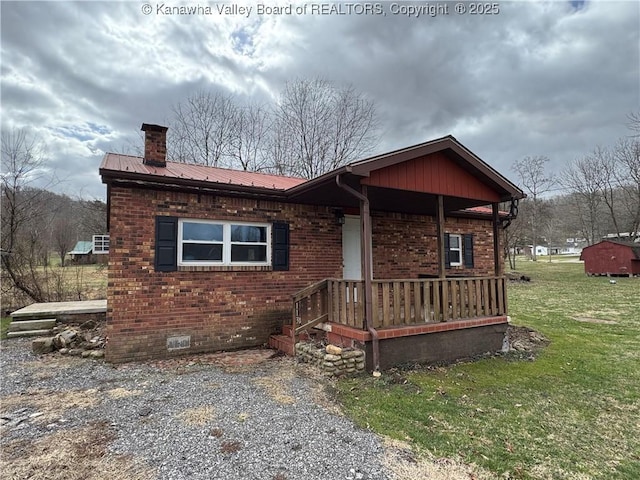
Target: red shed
[{"x": 612, "y": 257}]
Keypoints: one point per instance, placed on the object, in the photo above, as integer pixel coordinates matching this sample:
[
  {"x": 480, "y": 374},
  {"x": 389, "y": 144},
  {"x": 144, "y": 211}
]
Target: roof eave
[{"x": 111, "y": 177}]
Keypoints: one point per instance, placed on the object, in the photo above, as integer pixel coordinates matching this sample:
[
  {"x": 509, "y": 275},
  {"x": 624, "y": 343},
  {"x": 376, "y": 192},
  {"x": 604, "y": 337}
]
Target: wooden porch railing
[
  {"x": 400, "y": 302},
  {"x": 310, "y": 306}
]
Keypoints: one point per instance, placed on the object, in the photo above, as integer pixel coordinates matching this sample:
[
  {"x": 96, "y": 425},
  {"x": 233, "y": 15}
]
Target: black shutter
[
  {"x": 166, "y": 244},
  {"x": 468, "y": 250},
  {"x": 447, "y": 257},
  {"x": 280, "y": 246}
]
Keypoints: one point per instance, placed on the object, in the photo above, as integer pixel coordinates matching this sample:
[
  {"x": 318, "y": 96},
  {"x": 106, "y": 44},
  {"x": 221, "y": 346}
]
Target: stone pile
[
  {"x": 332, "y": 360},
  {"x": 70, "y": 341}
]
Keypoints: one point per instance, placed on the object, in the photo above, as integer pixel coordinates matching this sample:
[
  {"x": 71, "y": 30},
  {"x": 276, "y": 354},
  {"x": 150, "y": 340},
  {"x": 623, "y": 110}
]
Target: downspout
[{"x": 366, "y": 234}]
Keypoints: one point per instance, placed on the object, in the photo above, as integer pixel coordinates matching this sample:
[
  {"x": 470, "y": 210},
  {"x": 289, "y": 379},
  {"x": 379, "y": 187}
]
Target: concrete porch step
[
  {"x": 29, "y": 333},
  {"x": 22, "y": 325}
]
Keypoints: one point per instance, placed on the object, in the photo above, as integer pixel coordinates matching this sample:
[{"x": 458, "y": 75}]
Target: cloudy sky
[{"x": 531, "y": 78}]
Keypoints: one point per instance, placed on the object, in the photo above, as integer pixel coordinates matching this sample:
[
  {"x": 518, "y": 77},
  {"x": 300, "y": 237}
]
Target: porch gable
[{"x": 434, "y": 173}]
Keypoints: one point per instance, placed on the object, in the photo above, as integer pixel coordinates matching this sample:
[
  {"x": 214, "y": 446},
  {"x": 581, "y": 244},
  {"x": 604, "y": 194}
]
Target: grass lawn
[
  {"x": 4, "y": 326},
  {"x": 573, "y": 412}
]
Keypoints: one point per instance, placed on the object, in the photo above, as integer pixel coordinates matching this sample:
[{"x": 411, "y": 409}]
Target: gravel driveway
[{"x": 66, "y": 418}]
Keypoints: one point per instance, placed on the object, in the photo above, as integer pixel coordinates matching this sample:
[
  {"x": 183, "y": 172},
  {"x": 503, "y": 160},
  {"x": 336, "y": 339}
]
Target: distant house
[
  {"x": 612, "y": 258},
  {"x": 96, "y": 251},
  {"x": 540, "y": 250},
  {"x": 625, "y": 236},
  {"x": 82, "y": 252}
]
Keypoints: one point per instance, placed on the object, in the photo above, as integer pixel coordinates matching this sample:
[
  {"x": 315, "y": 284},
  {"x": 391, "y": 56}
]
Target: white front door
[{"x": 351, "y": 253}]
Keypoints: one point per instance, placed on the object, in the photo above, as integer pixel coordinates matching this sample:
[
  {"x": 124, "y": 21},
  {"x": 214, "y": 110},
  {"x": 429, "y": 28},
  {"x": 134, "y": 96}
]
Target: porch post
[
  {"x": 440, "y": 239},
  {"x": 367, "y": 270},
  {"x": 496, "y": 239}
]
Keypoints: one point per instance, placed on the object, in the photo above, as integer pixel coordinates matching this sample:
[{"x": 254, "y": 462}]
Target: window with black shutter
[
  {"x": 280, "y": 245},
  {"x": 166, "y": 254},
  {"x": 458, "y": 250},
  {"x": 468, "y": 250}
]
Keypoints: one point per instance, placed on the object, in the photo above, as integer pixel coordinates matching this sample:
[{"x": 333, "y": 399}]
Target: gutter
[{"x": 366, "y": 218}]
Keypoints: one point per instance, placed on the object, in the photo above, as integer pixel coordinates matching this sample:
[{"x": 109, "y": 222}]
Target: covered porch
[{"x": 436, "y": 187}]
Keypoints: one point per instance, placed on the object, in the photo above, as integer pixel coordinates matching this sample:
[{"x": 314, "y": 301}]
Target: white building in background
[{"x": 626, "y": 236}]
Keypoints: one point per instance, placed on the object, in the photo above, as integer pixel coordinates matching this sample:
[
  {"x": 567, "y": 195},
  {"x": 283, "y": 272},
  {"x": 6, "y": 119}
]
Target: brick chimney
[{"x": 155, "y": 145}]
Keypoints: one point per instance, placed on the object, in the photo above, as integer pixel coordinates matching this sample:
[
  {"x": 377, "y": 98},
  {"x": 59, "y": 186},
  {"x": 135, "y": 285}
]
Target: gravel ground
[{"x": 184, "y": 419}]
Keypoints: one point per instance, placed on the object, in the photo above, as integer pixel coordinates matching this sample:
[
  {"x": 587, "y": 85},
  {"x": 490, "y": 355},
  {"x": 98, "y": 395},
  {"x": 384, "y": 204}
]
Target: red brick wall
[
  {"x": 229, "y": 309},
  {"x": 405, "y": 246},
  {"x": 220, "y": 310}
]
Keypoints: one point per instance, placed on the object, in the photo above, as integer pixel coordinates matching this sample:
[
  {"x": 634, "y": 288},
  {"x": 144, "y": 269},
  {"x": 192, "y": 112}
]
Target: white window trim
[
  {"x": 226, "y": 244},
  {"x": 101, "y": 244},
  {"x": 460, "y": 249}
]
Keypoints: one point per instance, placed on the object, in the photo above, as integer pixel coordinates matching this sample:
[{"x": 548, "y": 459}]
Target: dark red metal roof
[{"x": 199, "y": 173}]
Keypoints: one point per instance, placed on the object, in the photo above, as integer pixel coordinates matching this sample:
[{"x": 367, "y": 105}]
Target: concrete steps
[
  {"x": 31, "y": 328},
  {"x": 29, "y": 333}
]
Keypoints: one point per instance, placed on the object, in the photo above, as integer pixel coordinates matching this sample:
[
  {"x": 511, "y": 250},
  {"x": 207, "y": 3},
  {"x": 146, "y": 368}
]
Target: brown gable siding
[{"x": 434, "y": 173}]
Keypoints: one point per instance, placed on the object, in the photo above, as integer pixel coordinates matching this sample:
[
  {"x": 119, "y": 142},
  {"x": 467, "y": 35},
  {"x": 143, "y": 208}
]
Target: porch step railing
[
  {"x": 310, "y": 307},
  {"x": 399, "y": 302}
]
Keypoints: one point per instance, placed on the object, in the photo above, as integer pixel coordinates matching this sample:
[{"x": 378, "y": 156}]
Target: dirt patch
[
  {"x": 49, "y": 405},
  {"x": 407, "y": 465},
  {"x": 595, "y": 320},
  {"x": 525, "y": 341},
  {"x": 120, "y": 392},
  {"x": 278, "y": 385},
  {"x": 78, "y": 454},
  {"x": 199, "y": 416}
]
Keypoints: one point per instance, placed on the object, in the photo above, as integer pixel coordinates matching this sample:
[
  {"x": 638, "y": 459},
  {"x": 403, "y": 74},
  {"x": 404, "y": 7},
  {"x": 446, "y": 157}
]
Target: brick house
[{"x": 397, "y": 253}]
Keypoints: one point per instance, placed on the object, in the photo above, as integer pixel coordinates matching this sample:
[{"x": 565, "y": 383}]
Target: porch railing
[{"x": 400, "y": 302}]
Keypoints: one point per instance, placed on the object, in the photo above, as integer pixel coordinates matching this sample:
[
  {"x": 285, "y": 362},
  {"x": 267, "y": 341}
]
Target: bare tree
[
  {"x": 634, "y": 123},
  {"x": 627, "y": 156},
  {"x": 582, "y": 179},
  {"x": 249, "y": 137},
  {"x": 64, "y": 219},
  {"x": 536, "y": 182},
  {"x": 202, "y": 129},
  {"x": 23, "y": 161},
  {"x": 515, "y": 234},
  {"x": 608, "y": 181},
  {"x": 92, "y": 215},
  {"x": 321, "y": 127}
]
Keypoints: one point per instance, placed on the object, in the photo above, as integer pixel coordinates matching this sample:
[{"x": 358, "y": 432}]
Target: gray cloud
[{"x": 538, "y": 78}]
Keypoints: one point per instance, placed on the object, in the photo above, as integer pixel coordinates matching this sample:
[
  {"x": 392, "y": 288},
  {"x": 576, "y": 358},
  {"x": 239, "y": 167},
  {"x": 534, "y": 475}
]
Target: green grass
[
  {"x": 573, "y": 412},
  {"x": 4, "y": 327}
]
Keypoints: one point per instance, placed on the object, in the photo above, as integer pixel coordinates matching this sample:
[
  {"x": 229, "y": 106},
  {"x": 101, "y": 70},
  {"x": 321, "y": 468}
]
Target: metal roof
[
  {"x": 322, "y": 190},
  {"x": 82, "y": 248},
  {"x": 198, "y": 173}
]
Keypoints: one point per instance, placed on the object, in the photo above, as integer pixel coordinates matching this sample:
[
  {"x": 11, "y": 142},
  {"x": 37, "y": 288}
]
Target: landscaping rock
[
  {"x": 333, "y": 350},
  {"x": 42, "y": 345},
  {"x": 347, "y": 361}
]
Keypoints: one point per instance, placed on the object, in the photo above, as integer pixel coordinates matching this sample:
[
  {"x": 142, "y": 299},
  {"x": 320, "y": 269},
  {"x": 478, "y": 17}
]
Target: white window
[
  {"x": 100, "y": 244},
  {"x": 455, "y": 250},
  {"x": 202, "y": 242}
]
